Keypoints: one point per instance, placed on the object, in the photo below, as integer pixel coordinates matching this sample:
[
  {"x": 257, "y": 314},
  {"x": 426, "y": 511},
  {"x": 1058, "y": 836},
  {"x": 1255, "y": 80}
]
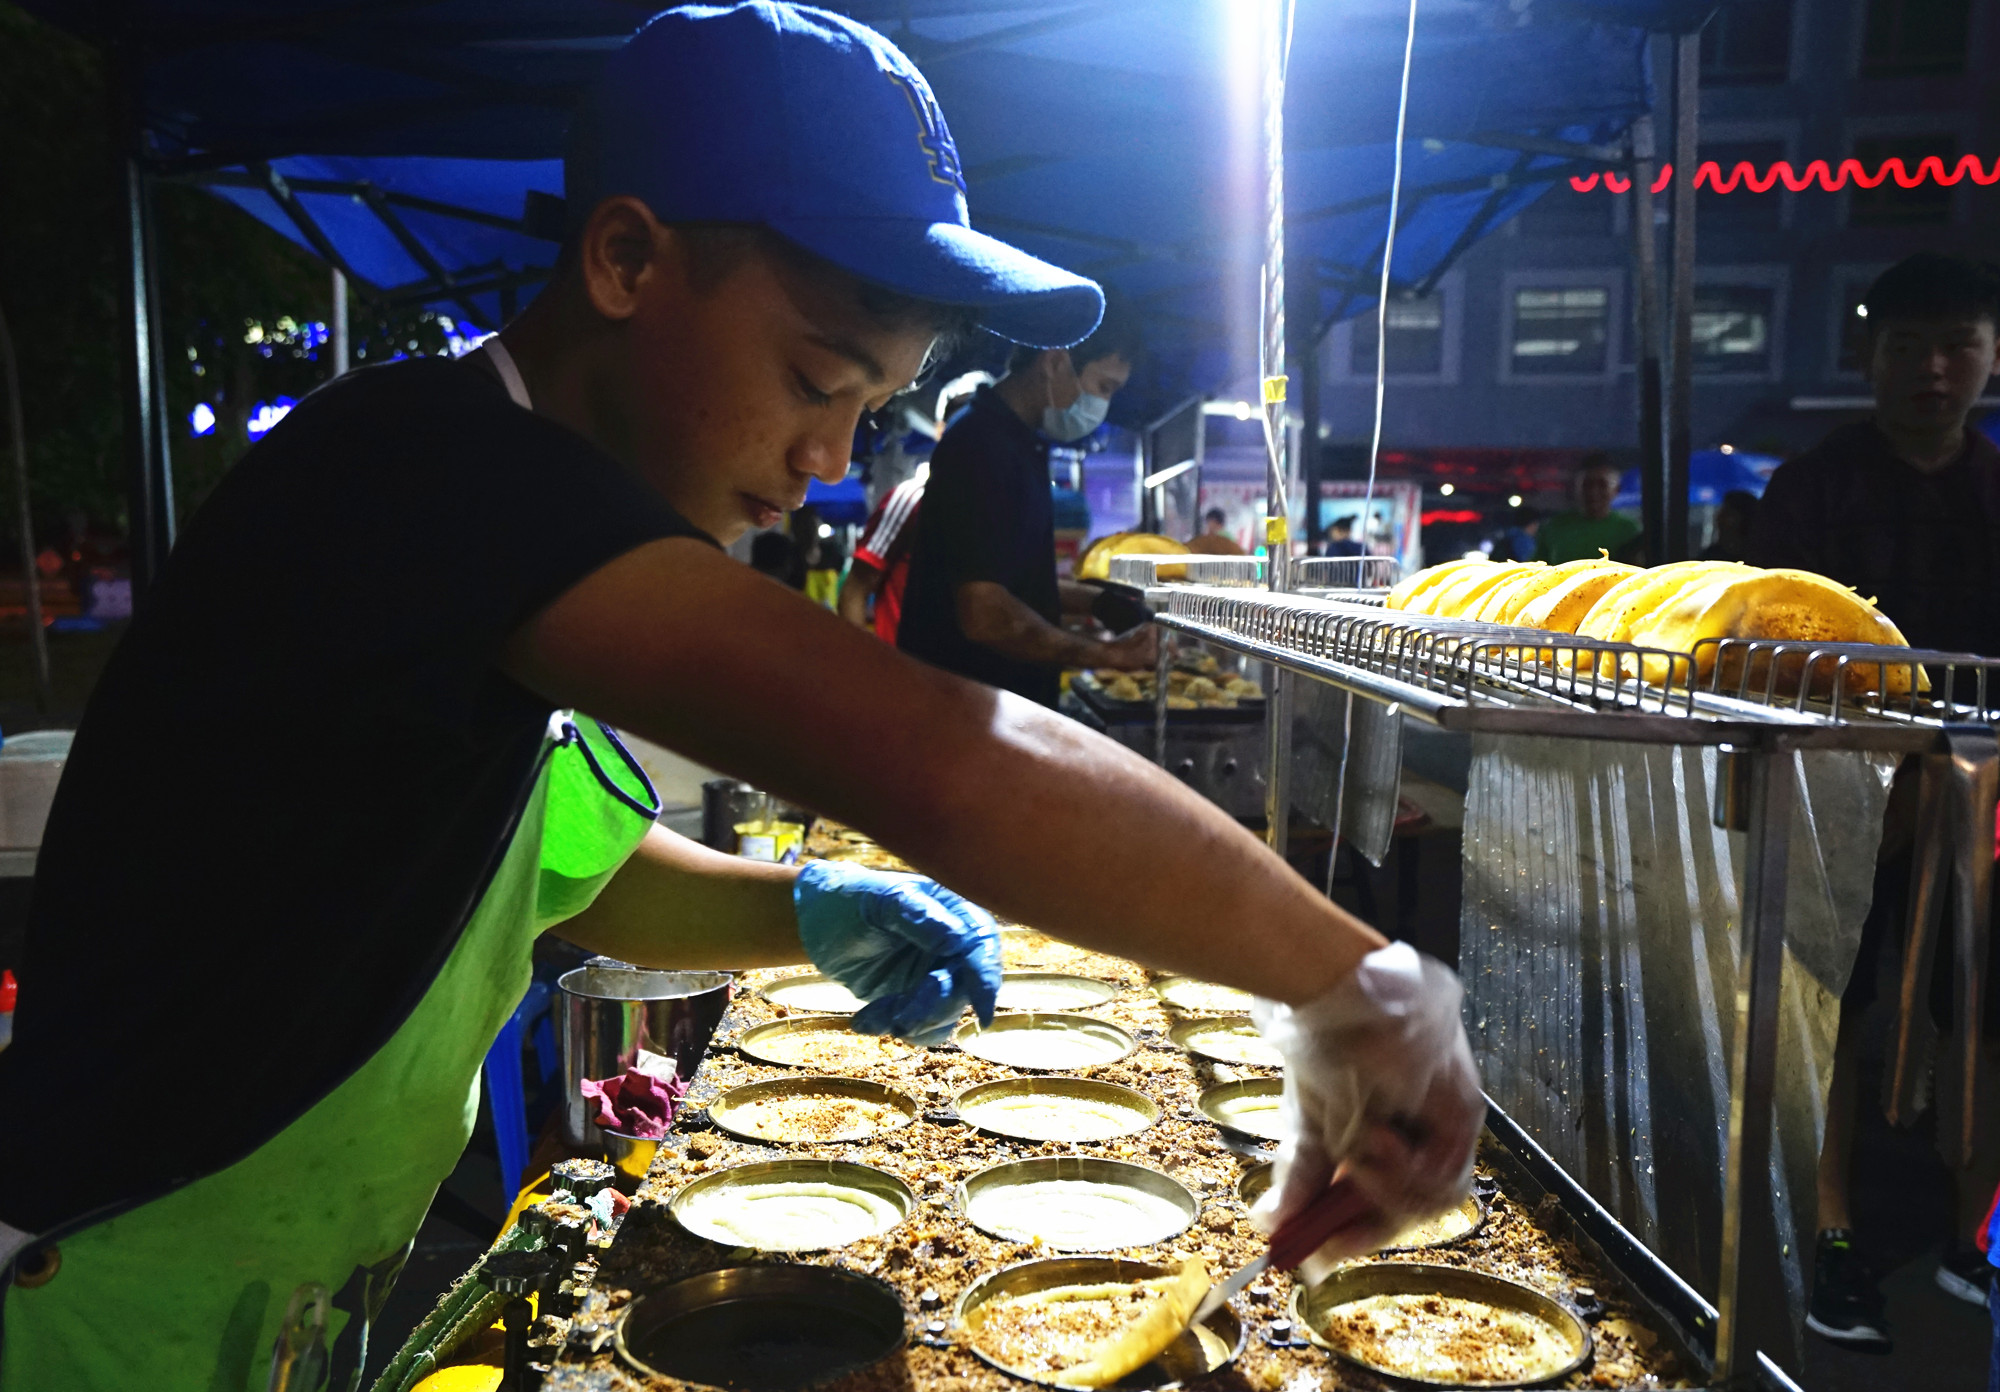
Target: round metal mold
[
  {"x": 768, "y": 1328},
  {"x": 1312, "y": 1304},
  {"x": 813, "y": 994},
  {"x": 1199, "y": 1035},
  {"x": 735, "y": 1110},
  {"x": 686, "y": 1205},
  {"x": 1145, "y": 1111},
  {"x": 1215, "y": 1343},
  {"x": 762, "y": 1042},
  {"x": 1097, "y": 1041},
  {"x": 1474, "y": 1209},
  {"x": 1199, "y": 997},
  {"x": 1247, "y": 1106},
  {"x": 976, "y": 1191},
  {"x": 1252, "y": 1183},
  {"x": 1051, "y": 991}
]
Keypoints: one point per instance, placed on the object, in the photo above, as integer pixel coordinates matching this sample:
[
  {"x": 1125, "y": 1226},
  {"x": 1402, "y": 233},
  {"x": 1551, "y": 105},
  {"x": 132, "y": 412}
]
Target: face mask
[{"x": 1083, "y": 415}]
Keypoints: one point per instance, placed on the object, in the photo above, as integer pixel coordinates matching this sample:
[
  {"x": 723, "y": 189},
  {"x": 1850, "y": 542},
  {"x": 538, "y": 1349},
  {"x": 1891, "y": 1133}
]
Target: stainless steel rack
[{"x": 1758, "y": 701}]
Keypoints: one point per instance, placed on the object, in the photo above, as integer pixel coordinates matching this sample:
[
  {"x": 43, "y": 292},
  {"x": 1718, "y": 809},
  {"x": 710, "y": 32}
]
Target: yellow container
[{"x": 777, "y": 842}]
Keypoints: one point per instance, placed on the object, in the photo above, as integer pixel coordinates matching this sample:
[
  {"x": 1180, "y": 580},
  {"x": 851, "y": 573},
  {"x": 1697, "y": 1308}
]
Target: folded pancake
[
  {"x": 1425, "y": 580},
  {"x": 1788, "y": 605},
  {"x": 1139, "y": 1343},
  {"x": 1460, "y": 598},
  {"x": 1496, "y": 600},
  {"x": 1560, "y": 607}
]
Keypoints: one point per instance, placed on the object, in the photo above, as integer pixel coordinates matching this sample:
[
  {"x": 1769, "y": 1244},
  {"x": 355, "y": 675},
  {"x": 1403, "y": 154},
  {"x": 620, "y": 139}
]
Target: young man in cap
[{"x": 311, "y": 826}]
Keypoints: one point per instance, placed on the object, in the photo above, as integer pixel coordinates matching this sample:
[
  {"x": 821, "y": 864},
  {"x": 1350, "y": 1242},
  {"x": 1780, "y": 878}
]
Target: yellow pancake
[
  {"x": 1459, "y": 599},
  {"x": 1561, "y": 607},
  {"x": 1489, "y": 608},
  {"x": 1426, "y": 580}
]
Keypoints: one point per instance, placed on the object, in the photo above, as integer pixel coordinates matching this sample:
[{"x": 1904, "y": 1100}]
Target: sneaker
[
  {"x": 1964, "y": 1272},
  {"x": 1846, "y": 1304}
]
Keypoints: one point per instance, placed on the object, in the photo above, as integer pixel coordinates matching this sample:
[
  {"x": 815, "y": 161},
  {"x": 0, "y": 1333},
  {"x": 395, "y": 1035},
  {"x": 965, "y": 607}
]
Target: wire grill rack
[{"x": 1468, "y": 675}]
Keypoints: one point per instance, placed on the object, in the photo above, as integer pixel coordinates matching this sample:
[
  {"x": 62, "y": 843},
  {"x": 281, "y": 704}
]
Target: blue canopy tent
[
  {"x": 402, "y": 143},
  {"x": 1711, "y": 474}
]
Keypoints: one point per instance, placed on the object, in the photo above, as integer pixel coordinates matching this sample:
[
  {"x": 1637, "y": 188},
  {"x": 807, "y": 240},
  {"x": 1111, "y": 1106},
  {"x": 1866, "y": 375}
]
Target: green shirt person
[
  {"x": 339, "y": 773},
  {"x": 1593, "y": 527}
]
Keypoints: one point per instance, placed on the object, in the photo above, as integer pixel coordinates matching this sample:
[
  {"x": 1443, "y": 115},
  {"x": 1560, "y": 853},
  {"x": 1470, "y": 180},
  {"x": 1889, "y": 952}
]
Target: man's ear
[{"x": 618, "y": 249}]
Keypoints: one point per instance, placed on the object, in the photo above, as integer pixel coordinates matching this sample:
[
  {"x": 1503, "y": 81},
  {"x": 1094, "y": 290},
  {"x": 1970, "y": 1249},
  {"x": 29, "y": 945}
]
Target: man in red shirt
[{"x": 882, "y": 558}]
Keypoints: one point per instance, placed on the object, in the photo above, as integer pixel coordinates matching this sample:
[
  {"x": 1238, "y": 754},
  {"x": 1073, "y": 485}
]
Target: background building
[{"x": 1521, "y": 359}]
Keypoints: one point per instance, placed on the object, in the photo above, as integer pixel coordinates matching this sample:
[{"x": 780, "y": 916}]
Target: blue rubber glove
[{"x": 916, "y": 952}]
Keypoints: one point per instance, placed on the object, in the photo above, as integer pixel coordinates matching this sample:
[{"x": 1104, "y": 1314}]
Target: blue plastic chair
[{"x": 506, "y": 1093}]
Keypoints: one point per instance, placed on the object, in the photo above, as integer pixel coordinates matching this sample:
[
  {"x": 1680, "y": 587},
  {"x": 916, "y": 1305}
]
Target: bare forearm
[
  {"x": 1008, "y": 803},
  {"x": 995, "y": 619},
  {"x": 677, "y": 904}
]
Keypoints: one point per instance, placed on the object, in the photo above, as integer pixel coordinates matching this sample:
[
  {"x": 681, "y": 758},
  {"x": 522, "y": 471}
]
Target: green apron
[{"x": 185, "y": 1294}]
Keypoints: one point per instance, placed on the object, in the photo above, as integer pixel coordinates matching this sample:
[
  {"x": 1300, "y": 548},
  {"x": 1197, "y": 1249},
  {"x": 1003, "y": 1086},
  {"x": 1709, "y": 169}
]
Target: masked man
[{"x": 983, "y": 599}]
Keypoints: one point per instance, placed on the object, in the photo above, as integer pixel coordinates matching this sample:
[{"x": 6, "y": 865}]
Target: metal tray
[
  {"x": 1311, "y": 1304},
  {"x": 968, "y": 1035},
  {"x": 1188, "y": 1032},
  {"x": 1218, "y": 1343},
  {"x": 1087, "y": 1169},
  {"x": 841, "y": 1173},
  {"x": 728, "y": 1110},
  {"x": 1086, "y": 991},
  {"x": 755, "y": 1041},
  {"x": 762, "y": 1328},
  {"x": 1179, "y": 991},
  {"x": 777, "y": 993},
  {"x": 1216, "y": 1103},
  {"x": 1105, "y": 708},
  {"x": 1145, "y": 1110}
]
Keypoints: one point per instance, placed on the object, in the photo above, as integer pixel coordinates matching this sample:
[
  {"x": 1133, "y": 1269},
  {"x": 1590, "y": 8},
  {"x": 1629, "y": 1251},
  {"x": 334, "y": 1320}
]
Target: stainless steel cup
[{"x": 613, "y": 1013}]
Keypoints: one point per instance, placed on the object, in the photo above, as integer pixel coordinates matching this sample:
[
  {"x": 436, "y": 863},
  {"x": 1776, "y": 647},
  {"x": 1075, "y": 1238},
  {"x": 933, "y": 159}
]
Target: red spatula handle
[{"x": 1306, "y": 1231}]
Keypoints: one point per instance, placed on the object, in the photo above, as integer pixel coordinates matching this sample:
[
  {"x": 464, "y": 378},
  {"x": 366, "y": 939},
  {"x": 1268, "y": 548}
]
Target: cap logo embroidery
[{"x": 932, "y": 135}]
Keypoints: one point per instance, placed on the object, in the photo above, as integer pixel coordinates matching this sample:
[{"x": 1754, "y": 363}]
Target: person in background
[
  {"x": 983, "y": 598},
  {"x": 881, "y": 567},
  {"x": 774, "y": 553},
  {"x": 1340, "y": 539},
  {"x": 1214, "y": 539},
  {"x": 1593, "y": 527},
  {"x": 824, "y": 562},
  {"x": 1734, "y": 516},
  {"x": 1905, "y": 507}
]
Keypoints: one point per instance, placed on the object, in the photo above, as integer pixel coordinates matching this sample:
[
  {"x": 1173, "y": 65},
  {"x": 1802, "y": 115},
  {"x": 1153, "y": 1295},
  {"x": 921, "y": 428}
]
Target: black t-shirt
[
  {"x": 1924, "y": 546},
  {"x": 294, "y": 779},
  {"x": 989, "y": 514}
]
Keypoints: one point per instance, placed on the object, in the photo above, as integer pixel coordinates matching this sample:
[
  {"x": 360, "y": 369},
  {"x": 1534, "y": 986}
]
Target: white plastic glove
[{"x": 1379, "y": 1085}]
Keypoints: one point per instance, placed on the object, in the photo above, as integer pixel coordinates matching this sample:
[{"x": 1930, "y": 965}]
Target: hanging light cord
[{"x": 1388, "y": 254}]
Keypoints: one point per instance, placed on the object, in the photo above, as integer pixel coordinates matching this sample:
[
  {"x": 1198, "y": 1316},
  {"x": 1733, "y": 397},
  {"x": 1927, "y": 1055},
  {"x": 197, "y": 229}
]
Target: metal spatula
[{"x": 1304, "y": 1233}]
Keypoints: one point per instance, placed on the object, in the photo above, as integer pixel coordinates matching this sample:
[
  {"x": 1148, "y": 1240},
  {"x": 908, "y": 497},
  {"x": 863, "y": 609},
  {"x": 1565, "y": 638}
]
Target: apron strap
[
  {"x": 571, "y": 735},
  {"x": 510, "y": 372}
]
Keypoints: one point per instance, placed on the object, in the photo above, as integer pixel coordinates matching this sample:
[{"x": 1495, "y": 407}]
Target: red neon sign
[{"x": 1709, "y": 175}]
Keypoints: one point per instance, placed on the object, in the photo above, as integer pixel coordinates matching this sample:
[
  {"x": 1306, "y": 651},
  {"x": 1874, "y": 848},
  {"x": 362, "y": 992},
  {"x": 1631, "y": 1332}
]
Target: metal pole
[
  {"x": 149, "y": 470},
  {"x": 1162, "y": 669},
  {"x": 38, "y": 638},
  {"x": 1271, "y": 359},
  {"x": 1748, "y": 1225},
  {"x": 341, "y": 355},
  {"x": 1646, "y": 325},
  {"x": 1975, "y": 781},
  {"x": 1680, "y": 420}
]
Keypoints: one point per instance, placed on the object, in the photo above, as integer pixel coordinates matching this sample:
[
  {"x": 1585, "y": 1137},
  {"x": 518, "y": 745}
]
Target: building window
[
  {"x": 1890, "y": 205},
  {"x": 1748, "y": 43},
  {"x": 1915, "y": 38},
  {"x": 1416, "y": 338},
  {"x": 1732, "y": 329},
  {"x": 1741, "y": 207},
  {"x": 1853, "y": 346},
  {"x": 1560, "y": 330}
]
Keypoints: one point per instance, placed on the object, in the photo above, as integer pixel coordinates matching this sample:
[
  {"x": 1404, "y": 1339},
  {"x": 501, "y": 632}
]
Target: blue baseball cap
[{"x": 822, "y": 130}]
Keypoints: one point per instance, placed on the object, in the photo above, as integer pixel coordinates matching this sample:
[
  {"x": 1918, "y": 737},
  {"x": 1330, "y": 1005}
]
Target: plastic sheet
[
  {"x": 1361, "y": 791},
  {"x": 1598, "y": 942}
]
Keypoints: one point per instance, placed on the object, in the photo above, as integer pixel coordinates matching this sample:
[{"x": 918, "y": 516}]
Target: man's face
[
  {"x": 1100, "y": 377},
  {"x": 1595, "y": 490},
  {"x": 1927, "y": 373},
  {"x": 744, "y": 391}
]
